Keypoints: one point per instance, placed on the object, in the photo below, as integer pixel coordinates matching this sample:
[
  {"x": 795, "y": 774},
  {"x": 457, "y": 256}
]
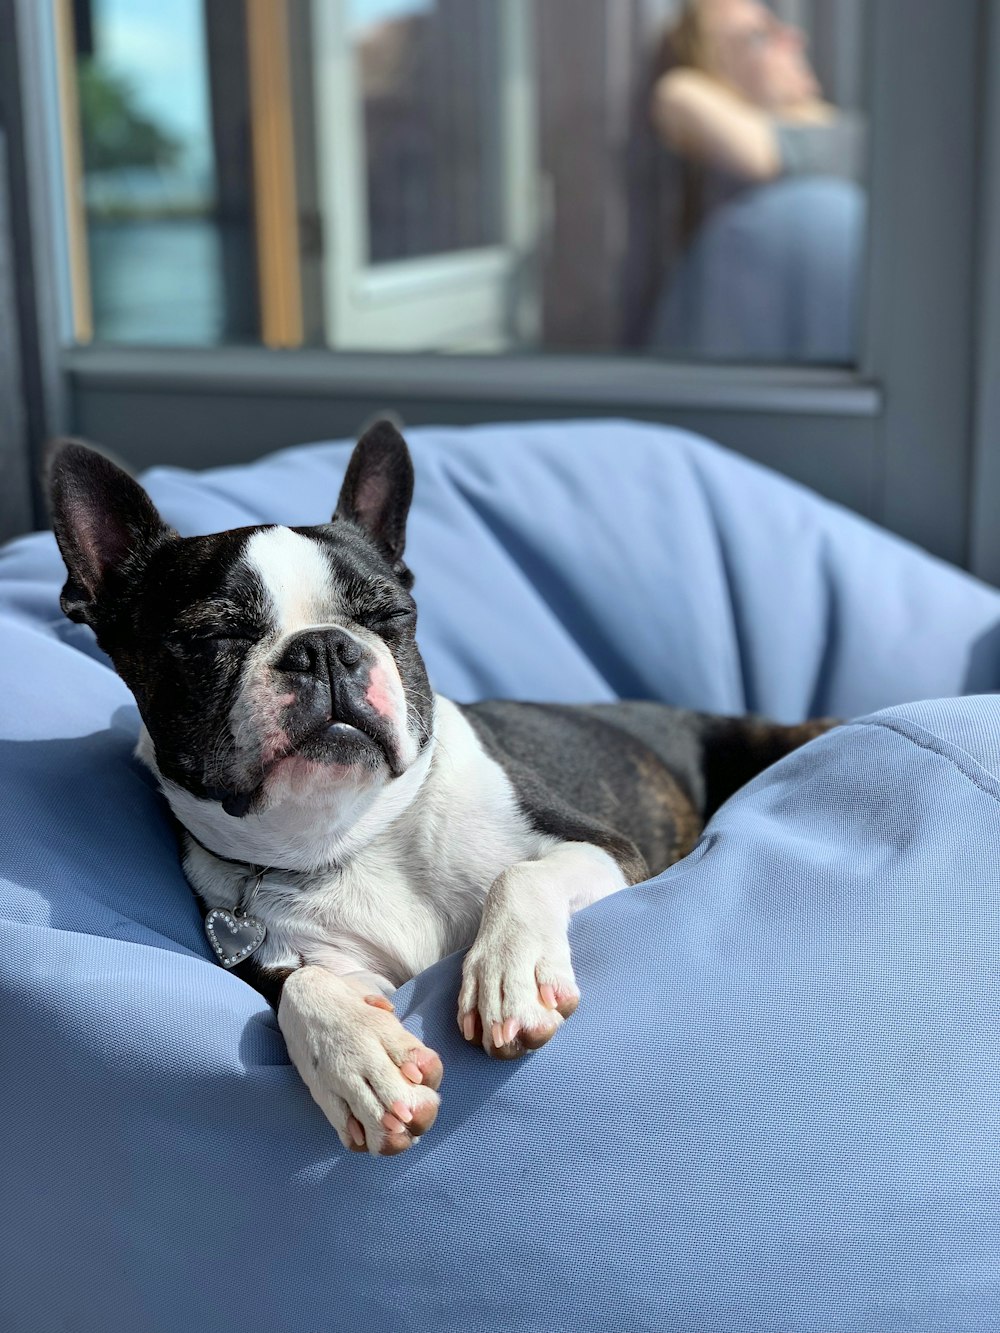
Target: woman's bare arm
[{"x": 699, "y": 118}]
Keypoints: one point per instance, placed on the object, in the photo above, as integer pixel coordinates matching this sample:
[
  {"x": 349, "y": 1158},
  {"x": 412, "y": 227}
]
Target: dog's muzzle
[
  {"x": 326, "y": 675},
  {"x": 329, "y": 672}
]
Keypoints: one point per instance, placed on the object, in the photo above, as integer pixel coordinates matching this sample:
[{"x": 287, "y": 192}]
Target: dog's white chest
[
  {"x": 385, "y": 914},
  {"x": 417, "y": 893},
  {"x": 411, "y": 896}
]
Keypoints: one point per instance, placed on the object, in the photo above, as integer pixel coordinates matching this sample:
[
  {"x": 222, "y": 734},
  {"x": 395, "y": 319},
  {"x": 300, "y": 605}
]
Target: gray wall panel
[{"x": 835, "y": 455}]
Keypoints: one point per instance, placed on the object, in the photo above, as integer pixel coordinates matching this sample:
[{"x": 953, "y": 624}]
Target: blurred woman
[
  {"x": 736, "y": 92},
  {"x": 769, "y": 206}
]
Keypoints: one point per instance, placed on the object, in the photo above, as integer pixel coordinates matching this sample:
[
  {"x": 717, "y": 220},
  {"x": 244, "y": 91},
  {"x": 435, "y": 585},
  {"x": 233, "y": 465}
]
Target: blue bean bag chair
[{"x": 778, "y": 1106}]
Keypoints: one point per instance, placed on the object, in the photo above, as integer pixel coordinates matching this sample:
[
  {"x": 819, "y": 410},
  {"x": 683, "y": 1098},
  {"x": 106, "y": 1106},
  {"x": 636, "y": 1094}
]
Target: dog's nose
[{"x": 321, "y": 652}]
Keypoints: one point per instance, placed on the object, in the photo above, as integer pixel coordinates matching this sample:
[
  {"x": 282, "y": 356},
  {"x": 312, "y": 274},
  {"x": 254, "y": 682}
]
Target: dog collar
[{"x": 248, "y": 867}]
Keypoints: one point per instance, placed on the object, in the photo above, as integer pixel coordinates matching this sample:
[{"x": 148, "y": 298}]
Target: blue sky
[
  {"x": 367, "y": 11},
  {"x": 159, "y": 46}
]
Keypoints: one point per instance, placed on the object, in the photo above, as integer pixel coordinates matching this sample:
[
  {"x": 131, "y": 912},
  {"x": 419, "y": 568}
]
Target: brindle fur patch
[{"x": 638, "y": 779}]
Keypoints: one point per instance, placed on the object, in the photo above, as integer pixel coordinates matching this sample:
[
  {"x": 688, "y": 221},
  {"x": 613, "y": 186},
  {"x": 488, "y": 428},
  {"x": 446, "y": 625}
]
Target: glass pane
[
  {"x": 756, "y": 166},
  {"x": 156, "y": 251},
  {"x": 426, "y": 78},
  {"x": 682, "y": 179}
]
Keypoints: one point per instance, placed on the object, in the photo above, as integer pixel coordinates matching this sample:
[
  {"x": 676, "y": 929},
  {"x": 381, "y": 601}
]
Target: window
[
  {"x": 669, "y": 179},
  {"x": 473, "y": 210},
  {"x": 155, "y": 246}
]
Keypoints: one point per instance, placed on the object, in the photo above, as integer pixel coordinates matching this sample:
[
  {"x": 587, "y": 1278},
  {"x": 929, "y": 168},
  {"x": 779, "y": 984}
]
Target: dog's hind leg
[{"x": 736, "y": 749}]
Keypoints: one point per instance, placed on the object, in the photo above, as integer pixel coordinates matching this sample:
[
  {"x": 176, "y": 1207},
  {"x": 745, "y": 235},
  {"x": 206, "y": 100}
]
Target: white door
[{"x": 426, "y": 151}]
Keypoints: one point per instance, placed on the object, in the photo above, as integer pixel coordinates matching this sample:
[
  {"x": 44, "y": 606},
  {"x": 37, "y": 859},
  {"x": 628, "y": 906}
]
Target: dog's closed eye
[
  {"x": 387, "y": 619},
  {"x": 195, "y": 636},
  {"x": 238, "y": 634}
]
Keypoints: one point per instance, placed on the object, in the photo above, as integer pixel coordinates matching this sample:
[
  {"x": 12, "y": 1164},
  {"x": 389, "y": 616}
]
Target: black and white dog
[{"x": 343, "y": 826}]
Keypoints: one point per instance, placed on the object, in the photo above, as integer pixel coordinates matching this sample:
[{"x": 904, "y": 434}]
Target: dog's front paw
[
  {"x": 517, "y": 987},
  {"x": 373, "y": 1080}
]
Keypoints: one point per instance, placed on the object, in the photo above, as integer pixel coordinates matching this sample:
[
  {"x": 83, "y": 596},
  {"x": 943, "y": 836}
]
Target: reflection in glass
[
  {"x": 424, "y": 72},
  {"x": 773, "y": 211},
  {"x": 149, "y": 180},
  {"x": 681, "y": 178}
]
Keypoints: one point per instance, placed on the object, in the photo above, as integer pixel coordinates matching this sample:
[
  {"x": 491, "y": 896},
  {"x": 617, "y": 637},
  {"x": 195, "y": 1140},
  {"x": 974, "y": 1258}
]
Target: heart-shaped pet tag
[{"x": 233, "y": 938}]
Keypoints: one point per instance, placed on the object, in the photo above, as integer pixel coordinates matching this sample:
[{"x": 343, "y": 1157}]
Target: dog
[{"x": 343, "y": 826}]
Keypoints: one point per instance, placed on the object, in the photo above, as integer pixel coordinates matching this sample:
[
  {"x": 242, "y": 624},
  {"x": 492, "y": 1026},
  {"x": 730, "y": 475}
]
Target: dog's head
[{"x": 267, "y": 662}]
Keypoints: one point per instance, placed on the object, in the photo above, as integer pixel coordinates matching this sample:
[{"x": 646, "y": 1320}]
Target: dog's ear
[
  {"x": 103, "y": 521},
  {"x": 378, "y": 487}
]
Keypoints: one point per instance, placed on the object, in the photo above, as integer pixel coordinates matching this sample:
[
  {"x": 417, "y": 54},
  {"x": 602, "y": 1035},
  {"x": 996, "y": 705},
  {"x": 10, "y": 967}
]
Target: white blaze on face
[{"x": 296, "y": 577}]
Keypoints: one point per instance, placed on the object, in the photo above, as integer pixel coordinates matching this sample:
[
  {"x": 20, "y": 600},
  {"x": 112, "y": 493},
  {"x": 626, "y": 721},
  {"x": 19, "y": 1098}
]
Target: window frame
[
  {"x": 461, "y": 288},
  {"x": 892, "y": 438},
  {"x": 985, "y": 483}
]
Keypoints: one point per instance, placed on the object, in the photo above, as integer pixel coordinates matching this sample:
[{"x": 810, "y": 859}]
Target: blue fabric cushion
[{"x": 777, "y": 1104}]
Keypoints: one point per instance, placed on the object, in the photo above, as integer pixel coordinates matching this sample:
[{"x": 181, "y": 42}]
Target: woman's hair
[{"x": 684, "y": 45}]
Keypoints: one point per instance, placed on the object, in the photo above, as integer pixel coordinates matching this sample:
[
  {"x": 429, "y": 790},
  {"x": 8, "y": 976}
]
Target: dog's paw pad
[
  {"x": 504, "y": 1033},
  {"x": 531, "y": 1038}
]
